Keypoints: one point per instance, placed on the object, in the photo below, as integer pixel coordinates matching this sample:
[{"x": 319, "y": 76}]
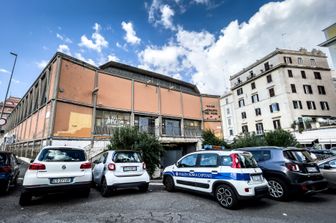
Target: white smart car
[
  {"x": 228, "y": 175},
  {"x": 120, "y": 169},
  {"x": 57, "y": 169}
]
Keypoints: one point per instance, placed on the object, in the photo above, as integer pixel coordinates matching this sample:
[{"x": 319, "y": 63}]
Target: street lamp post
[{"x": 10, "y": 80}]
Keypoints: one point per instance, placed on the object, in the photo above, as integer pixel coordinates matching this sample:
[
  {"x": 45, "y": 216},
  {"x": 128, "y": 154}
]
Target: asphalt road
[{"x": 157, "y": 205}]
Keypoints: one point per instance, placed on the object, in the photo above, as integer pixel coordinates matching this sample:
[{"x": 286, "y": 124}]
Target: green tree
[
  {"x": 248, "y": 140},
  {"x": 209, "y": 138},
  {"x": 281, "y": 138},
  {"x": 131, "y": 139}
]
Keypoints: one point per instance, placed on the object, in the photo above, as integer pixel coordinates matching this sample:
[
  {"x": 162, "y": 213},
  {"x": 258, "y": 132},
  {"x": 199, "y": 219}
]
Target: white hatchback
[
  {"x": 228, "y": 175},
  {"x": 119, "y": 169},
  {"x": 57, "y": 169}
]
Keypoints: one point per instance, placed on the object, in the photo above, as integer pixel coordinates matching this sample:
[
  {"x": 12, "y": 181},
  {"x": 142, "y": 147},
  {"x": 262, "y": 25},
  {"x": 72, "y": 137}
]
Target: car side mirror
[
  {"x": 178, "y": 164},
  {"x": 31, "y": 161},
  {"x": 327, "y": 166}
]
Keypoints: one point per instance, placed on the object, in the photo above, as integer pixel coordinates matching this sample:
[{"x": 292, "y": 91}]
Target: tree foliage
[
  {"x": 209, "y": 138},
  {"x": 280, "y": 137},
  {"x": 248, "y": 140},
  {"x": 128, "y": 138},
  {"x": 277, "y": 137}
]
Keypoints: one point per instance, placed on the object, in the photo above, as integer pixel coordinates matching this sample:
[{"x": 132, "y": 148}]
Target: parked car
[
  {"x": 57, "y": 169},
  {"x": 288, "y": 171},
  {"x": 328, "y": 170},
  {"x": 229, "y": 176},
  {"x": 120, "y": 169},
  {"x": 321, "y": 154},
  {"x": 333, "y": 150},
  {"x": 9, "y": 171}
]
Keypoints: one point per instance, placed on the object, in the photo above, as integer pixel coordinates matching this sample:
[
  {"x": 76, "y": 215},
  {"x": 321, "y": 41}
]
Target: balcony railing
[
  {"x": 171, "y": 131},
  {"x": 192, "y": 132}
]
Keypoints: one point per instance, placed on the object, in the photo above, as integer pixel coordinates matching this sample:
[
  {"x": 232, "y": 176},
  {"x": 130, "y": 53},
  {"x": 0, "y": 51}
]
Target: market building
[{"x": 75, "y": 103}]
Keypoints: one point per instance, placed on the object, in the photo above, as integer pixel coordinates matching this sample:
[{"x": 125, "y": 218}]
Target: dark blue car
[{"x": 9, "y": 171}]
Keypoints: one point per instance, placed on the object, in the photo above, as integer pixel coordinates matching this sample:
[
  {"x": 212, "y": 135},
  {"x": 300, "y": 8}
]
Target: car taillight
[
  {"x": 87, "y": 165},
  {"x": 144, "y": 166},
  {"x": 235, "y": 161},
  {"x": 293, "y": 167},
  {"x": 5, "y": 169},
  {"x": 111, "y": 166},
  {"x": 37, "y": 166}
]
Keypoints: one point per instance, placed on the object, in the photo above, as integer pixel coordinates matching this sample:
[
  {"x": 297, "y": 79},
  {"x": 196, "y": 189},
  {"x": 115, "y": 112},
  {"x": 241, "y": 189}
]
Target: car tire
[
  {"x": 25, "y": 198},
  {"x": 169, "y": 184},
  {"x": 278, "y": 189},
  {"x": 226, "y": 196},
  {"x": 104, "y": 189},
  {"x": 144, "y": 188}
]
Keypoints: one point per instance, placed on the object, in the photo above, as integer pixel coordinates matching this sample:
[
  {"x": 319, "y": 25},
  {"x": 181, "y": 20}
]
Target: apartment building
[
  {"x": 286, "y": 89},
  {"x": 75, "y": 103},
  {"x": 330, "y": 35},
  {"x": 228, "y": 117}
]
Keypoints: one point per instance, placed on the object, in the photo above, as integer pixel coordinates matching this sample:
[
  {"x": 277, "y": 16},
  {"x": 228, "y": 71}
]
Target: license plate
[
  {"x": 311, "y": 169},
  {"x": 61, "y": 180},
  {"x": 130, "y": 168},
  {"x": 256, "y": 177}
]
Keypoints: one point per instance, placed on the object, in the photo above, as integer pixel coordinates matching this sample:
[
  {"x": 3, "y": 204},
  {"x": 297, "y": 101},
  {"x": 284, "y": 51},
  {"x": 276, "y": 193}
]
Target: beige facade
[
  {"x": 286, "y": 89},
  {"x": 75, "y": 103}
]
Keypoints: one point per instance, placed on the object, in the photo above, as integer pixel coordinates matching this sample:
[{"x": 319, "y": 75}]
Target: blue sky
[{"x": 199, "y": 41}]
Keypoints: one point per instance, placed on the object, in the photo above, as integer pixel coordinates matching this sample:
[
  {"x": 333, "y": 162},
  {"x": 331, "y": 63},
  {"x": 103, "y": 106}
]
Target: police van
[{"x": 230, "y": 176}]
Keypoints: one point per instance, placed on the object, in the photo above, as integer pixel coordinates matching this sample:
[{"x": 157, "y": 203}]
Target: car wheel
[
  {"x": 104, "y": 189},
  {"x": 25, "y": 198},
  {"x": 226, "y": 197},
  {"x": 144, "y": 188},
  {"x": 169, "y": 184},
  {"x": 278, "y": 189}
]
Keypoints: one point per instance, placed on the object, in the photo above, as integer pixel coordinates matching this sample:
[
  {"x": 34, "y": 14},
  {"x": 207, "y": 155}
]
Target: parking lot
[{"x": 157, "y": 205}]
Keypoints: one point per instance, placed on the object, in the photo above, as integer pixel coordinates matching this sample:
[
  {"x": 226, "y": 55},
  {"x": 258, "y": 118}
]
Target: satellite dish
[{"x": 3, "y": 121}]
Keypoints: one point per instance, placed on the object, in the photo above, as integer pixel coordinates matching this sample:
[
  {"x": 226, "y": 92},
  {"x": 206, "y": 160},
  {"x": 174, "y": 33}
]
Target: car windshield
[
  {"x": 3, "y": 159},
  {"x": 62, "y": 155},
  {"x": 298, "y": 155},
  {"x": 127, "y": 157},
  {"x": 247, "y": 160}
]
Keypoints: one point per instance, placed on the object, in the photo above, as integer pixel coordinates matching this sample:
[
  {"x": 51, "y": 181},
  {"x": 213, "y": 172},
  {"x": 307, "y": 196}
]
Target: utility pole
[{"x": 10, "y": 80}]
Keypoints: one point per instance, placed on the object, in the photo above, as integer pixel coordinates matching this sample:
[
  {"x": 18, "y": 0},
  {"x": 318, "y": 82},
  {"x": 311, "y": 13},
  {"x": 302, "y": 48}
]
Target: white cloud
[
  {"x": 162, "y": 14},
  {"x": 87, "y": 60},
  {"x": 201, "y": 1},
  {"x": 4, "y": 71},
  {"x": 167, "y": 17},
  {"x": 45, "y": 48},
  {"x": 63, "y": 38},
  {"x": 112, "y": 57},
  {"x": 210, "y": 59},
  {"x": 64, "y": 49},
  {"x": 130, "y": 36},
  {"x": 42, "y": 64},
  {"x": 97, "y": 42}
]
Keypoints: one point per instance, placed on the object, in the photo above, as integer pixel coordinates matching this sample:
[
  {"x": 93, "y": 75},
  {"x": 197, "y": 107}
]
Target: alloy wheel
[
  {"x": 224, "y": 196},
  {"x": 275, "y": 190}
]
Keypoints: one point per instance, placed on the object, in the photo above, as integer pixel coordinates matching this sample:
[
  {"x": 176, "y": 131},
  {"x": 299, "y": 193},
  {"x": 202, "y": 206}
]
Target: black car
[
  {"x": 9, "y": 171},
  {"x": 288, "y": 171}
]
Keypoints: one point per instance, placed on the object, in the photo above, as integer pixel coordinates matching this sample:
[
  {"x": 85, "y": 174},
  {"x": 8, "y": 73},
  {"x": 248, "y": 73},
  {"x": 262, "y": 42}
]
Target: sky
[{"x": 199, "y": 41}]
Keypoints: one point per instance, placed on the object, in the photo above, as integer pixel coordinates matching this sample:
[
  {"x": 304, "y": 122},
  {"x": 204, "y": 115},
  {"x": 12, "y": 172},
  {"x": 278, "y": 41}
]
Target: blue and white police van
[{"x": 230, "y": 176}]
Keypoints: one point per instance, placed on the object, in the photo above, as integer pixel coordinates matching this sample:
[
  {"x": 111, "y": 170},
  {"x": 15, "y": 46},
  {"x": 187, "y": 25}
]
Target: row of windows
[
  {"x": 310, "y": 105},
  {"x": 255, "y": 98},
  {"x": 288, "y": 60},
  {"x": 259, "y": 127},
  {"x": 309, "y": 90},
  {"x": 317, "y": 75},
  {"x": 273, "y": 108}
]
